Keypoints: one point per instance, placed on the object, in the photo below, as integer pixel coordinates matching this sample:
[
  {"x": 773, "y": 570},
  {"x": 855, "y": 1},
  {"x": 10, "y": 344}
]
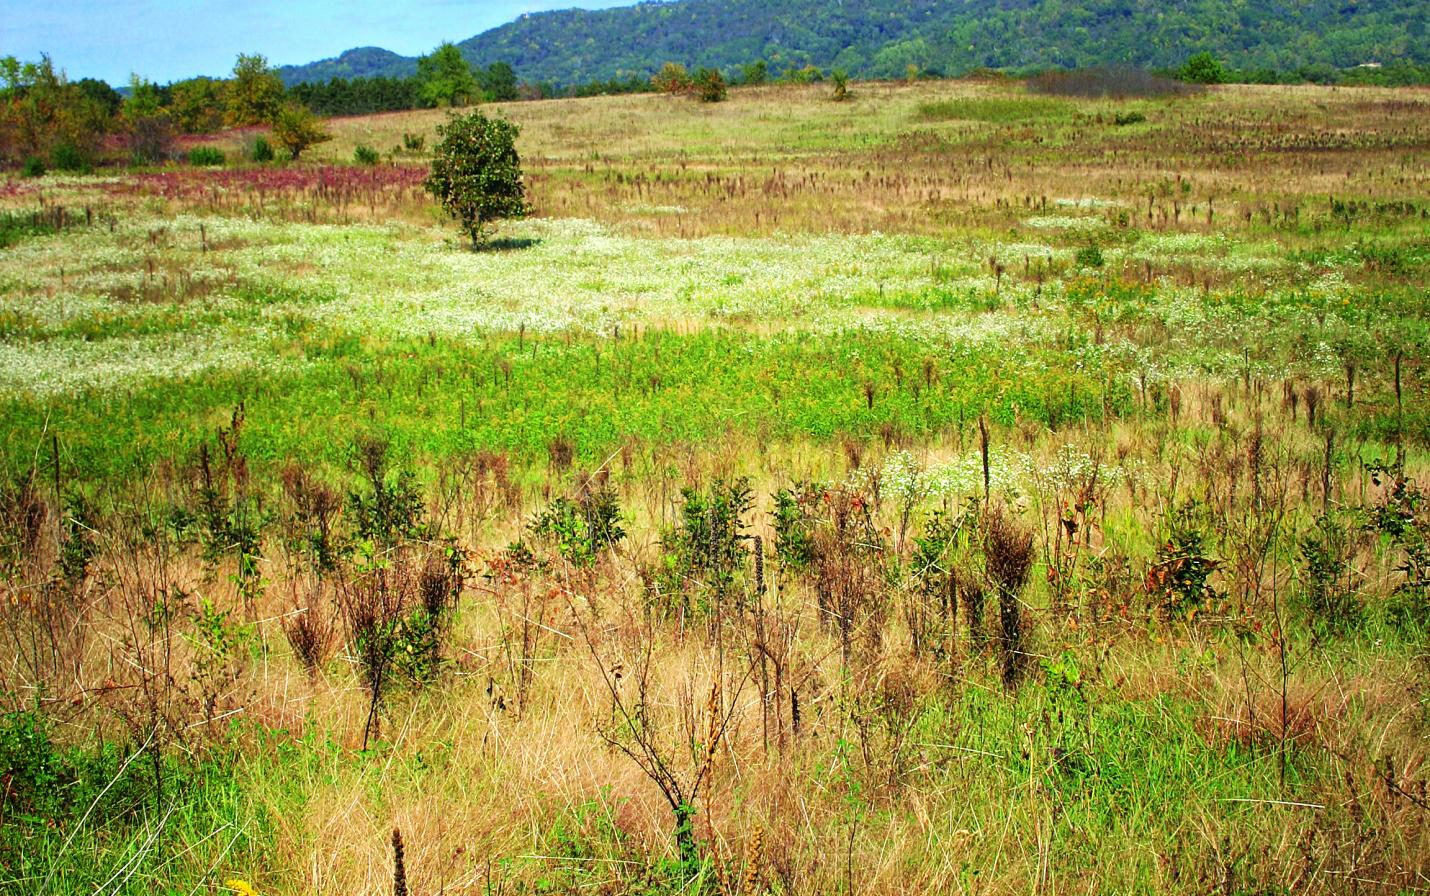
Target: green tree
[
  {"x": 42, "y": 114},
  {"x": 296, "y": 128},
  {"x": 197, "y": 105},
  {"x": 710, "y": 85},
  {"x": 476, "y": 173},
  {"x": 255, "y": 94},
  {"x": 757, "y": 72},
  {"x": 1203, "y": 68},
  {"x": 446, "y": 79},
  {"x": 147, "y": 125},
  {"x": 672, "y": 78},
  {"x": 499, "y": 82},
  {"x": 105, "y": 97}
]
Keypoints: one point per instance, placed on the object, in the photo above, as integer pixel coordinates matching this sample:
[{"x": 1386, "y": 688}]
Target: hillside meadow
[{"x": 954, "y": 489}]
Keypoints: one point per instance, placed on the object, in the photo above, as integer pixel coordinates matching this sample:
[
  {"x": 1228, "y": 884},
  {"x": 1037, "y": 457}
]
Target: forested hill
[{"x": 882, "y": 38}]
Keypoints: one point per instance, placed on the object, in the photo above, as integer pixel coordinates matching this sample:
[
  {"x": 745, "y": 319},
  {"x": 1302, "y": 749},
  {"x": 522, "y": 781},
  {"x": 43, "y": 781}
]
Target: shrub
[
  {"x": 582, "y": 528},
  {"x": 262, "y": 150},
  {"x": 1330, "y": 593},
  {"x": 206, "y": 155},
  {"x": 391, "y": 509},
  {"x": 1179, "y": 579},
  {"x": 794, "y": 525},
  {"x": 1203, "y": 68},
  {"x": 297, "y": 128},
  {"x": 841, "y": 85},
  {"x": 707, "y": 549},
  {"x": 67, "y": 156},
  {"x": 672, "y": 78},
  {"x": 365, "y": 155},
  {"x": 414, "y": 142},
  {"x": 1125, "y": 118},
  {"x": 710, "y": 86},
  {"x": 34, "y": 167},
  {"x": 476, "y": 173}
]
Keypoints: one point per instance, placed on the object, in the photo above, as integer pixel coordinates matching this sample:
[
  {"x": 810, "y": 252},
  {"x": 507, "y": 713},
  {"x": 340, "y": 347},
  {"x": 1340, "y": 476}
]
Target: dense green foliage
[
  {"x": 476, "y": 173},
  {"x": 884, "y": 38},
  {"x": 255, "y": 94},
  {"x": 444, "y": 78},
  {"x": 357, "y": 96},
  {"x": 296, "y": 128}
]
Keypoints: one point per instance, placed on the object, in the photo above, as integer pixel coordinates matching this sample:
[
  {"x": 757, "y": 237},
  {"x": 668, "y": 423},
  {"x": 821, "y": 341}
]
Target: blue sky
[{"x": 165, "y": 41}]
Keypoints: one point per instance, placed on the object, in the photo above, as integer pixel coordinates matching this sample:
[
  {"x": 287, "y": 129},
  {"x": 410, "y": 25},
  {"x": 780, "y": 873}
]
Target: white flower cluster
[
  {"x": 1066, "y": 222},
  {"x": 66, "y": 366}
]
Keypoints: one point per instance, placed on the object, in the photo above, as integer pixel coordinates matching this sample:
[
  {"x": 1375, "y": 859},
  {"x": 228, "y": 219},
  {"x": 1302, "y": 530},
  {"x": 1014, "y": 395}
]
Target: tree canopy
[
  {"x": 476, "y": 173},
  {"x": 255, "y": 93},
  {"x": 445, "y": 79}
]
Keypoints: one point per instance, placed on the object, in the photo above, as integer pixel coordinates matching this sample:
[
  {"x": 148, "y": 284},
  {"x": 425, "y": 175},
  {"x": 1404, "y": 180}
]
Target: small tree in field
[
  {"x": 710, "y": 85},
  {"x": 476, "y": 173},
  {"x": 296, "y": 128}
]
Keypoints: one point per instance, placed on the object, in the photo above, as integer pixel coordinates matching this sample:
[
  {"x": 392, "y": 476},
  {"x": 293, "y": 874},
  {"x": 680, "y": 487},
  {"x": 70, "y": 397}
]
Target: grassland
[{"x": 1085, "y": 461}]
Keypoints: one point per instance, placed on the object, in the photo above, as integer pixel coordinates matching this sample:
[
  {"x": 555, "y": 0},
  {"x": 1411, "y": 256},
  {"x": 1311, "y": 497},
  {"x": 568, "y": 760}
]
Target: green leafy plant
[
  {"x": 1330, "y": 592},
  {"x": 582, "y": 528},
  {"x": 1179, "y": 580},
  {"x": 706, "y": 550},
  {"x": 365, "y": 155}
]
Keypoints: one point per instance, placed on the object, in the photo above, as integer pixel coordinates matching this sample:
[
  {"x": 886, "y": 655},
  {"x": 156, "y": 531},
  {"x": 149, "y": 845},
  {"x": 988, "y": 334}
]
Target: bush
[
  {"x": 413, "y": 142},
  {"x": 1125, "y": 118},
  {"x": 710, "y": 86},
  {"x": 1179, "y": 580},
  {"x": 583, "y": 528},
  {"x": 1203, "y": 68},
  {"x": 365, "y": 155},
  {"x": 672, "y": 78},
  {"x": 841, "y": 85},
  {"x": 69, "y": 157},
  {"x": 297, "y": 128},
  {"x": 206, "y": 155},
  {"x": 707, "y": 548},
  {"x": 1330, "y": 594},
  {"x": 262, "y": 150},
  {"x": 476, "y": 173},
  {"x": 34, "y": 167}
]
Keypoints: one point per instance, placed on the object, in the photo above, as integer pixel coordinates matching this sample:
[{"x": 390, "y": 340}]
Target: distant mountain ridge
[{"x": 882, "y": 38}]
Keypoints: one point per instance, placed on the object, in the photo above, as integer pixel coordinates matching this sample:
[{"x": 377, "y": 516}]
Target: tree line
[{"x": 48, "y": 121}]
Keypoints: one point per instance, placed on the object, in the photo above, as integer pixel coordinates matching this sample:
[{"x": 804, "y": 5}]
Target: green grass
[{"x": 996, "y": 110}]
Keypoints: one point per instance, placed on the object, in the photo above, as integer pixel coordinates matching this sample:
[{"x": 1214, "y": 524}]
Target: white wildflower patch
[
  {"x": 1077, "y": 224},
  {"x": 64, "y": 366},
  {"x": 906, "y": 479},
  {"x": 1088, "y": 202}
]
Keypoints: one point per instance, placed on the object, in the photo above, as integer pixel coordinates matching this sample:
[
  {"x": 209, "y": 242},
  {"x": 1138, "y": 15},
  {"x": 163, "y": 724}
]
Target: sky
[{"x": 167, "y": 41}]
